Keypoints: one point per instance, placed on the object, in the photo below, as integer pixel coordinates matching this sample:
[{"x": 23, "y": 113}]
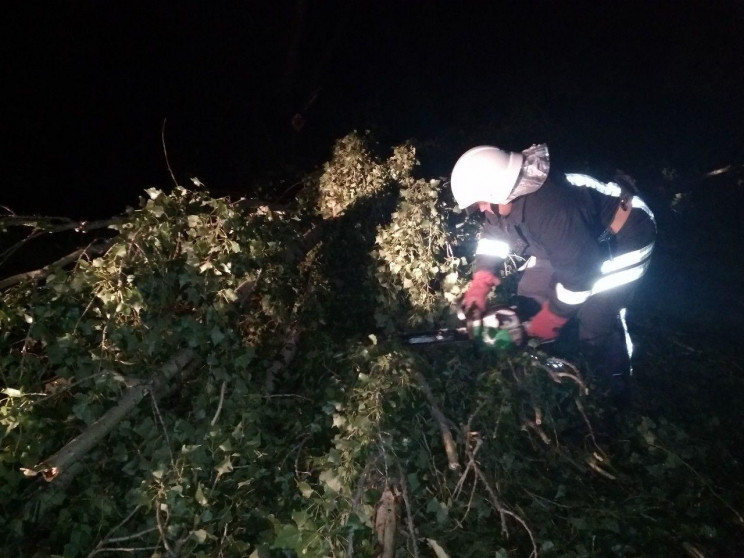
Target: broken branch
[{"x": 95, "y": 248}]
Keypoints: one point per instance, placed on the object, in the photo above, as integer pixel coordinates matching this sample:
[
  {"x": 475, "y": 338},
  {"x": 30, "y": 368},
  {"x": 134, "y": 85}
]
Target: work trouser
[{"x": 603, "y": 336}]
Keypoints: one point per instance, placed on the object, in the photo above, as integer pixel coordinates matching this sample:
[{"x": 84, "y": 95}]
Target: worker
[{"x": 585, "y": 245}]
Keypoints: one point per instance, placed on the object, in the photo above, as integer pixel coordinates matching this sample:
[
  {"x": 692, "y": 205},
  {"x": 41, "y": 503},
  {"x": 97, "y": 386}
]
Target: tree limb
[
  {"x": 97, "y": 247},
  {"x": 42, "y": 225},
  {"x": 76, "y": 449}
]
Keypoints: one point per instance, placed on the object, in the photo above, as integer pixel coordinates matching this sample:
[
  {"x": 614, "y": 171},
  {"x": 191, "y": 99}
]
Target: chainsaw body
[{"x": 499, "y": 329}]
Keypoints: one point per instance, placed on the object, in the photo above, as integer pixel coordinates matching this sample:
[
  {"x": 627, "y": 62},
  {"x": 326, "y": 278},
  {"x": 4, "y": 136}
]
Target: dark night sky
[{"x": 641, "y": 85}]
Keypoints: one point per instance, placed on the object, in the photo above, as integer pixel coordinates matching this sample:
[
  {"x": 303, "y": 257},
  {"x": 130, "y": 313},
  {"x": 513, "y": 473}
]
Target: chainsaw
[{"x": 498, "y": 328}]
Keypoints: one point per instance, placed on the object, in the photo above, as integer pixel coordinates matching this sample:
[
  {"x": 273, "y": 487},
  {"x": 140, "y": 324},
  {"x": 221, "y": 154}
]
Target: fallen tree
[{"x": 307, "y": 428}]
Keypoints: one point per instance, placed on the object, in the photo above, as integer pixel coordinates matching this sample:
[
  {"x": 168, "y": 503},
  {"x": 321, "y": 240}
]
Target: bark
[{"x": 75, "y": 450}]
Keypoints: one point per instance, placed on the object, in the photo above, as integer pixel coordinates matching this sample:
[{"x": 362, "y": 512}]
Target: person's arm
[{"x": 490, "y": 253}]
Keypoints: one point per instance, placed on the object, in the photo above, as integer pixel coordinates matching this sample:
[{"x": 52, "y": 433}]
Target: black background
[{"x": 641, "y": 86}]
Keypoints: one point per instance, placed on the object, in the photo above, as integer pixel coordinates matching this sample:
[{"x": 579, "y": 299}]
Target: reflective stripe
[
  {"x": 571, "y": 297},
  {"x": 491, "y": 247},
  {"x": 627, "y": 259},
  {"x": 617, "y": 271},
  {"x": 609, "y": 281},
  {"x": 619, "y": 278},
  {"x": 628, "y": 341},
  {"x": 640, "y": 204},
  {"x": 608, "y": 189}
]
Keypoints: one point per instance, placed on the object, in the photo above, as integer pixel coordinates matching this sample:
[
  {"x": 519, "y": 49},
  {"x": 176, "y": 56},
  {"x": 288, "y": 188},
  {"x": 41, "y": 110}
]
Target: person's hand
[
  {"x": 473, "y": 304},
  {"x": 546, "y": 325}
]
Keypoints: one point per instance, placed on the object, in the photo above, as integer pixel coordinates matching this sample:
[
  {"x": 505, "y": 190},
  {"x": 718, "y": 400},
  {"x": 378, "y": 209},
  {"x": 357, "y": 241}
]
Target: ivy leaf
[
  {"x": 288, "y": 537},
  {"x": 331, "y": 480},
  {"x": 305, "y": 489},
  {"x": 154, "y": 193},
  {"x": 224, "y": 467},
  {"x": 199, "y": 496}
]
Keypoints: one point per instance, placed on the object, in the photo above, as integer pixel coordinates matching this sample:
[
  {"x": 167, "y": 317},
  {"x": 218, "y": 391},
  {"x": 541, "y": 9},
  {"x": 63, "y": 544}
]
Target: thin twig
[
  {"x": 134, "y": 536},
  {"x": 593, "y": 464},
  {"x": 69, "y": 386},
  {"x": 494, "y": 499},
  {"x": 706, "y": 483},
  {"x": 504, "y": 512},
  {"x": 162, "y": 424},
  {"x": 112, "y": 531},
  {"x": 123, "y": 549},
  {"x": 161, "y": 530},
  {"x": 278, "y": 395},
  {"x": 165, "y": 153},
  {"x": 409, "y": 514},
  {"x": 219, "y": 407},
  {"x": 580, "y": 407}
]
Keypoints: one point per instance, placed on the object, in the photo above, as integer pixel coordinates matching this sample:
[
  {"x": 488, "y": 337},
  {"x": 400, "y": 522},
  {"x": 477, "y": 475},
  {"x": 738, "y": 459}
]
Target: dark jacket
[{"x": 559, "y": 222}]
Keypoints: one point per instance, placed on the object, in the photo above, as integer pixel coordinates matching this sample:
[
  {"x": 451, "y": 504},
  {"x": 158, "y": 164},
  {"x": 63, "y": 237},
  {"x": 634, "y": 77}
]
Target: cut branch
[{"x": 386, "y": 522}]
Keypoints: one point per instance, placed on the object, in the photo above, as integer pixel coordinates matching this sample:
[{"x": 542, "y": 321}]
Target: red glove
[
  {"x": 475, "y": 298},
  {"x": 545, "y": 324}
]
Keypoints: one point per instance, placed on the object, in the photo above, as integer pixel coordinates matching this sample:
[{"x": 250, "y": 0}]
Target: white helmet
[{"x": 485, "y": 174}]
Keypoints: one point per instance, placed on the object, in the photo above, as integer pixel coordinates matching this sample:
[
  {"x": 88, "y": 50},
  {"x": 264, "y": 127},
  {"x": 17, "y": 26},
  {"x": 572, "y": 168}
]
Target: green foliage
[{"x": 303, "y": 407}]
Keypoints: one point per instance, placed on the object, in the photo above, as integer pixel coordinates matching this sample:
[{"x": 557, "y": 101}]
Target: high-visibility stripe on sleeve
[
  {"x": 608, "y": 189},
  {"x": 626, "y": 260},
  {"x": 492, "y": 247},
  {"x": 571, "y": 297}
]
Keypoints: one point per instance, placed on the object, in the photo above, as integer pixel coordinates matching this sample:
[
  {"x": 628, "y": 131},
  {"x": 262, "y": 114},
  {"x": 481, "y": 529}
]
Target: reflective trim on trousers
[
  {"x": 491, "y": 247},
  {"x": 628, "y": 340}
]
